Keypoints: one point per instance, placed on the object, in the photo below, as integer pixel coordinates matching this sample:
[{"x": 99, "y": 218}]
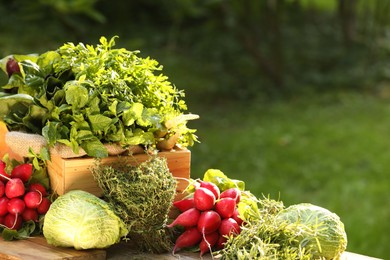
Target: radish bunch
[
  {"x": 208, "y": 217},
  {"x": 20, "y": 200}
]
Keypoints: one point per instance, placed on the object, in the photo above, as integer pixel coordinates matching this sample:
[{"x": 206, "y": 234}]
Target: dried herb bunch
[{"x": 142, "y": 196}]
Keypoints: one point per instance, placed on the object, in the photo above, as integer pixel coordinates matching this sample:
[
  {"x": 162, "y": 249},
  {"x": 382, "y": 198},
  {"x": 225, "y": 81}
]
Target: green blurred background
[{"x": 293, "y": 95}]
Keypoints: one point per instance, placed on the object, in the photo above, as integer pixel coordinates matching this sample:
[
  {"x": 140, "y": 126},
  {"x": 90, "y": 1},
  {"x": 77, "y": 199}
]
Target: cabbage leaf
[{"x": 81, "y": 220}]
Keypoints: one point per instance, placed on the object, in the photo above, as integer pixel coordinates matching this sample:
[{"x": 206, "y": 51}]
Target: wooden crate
[{"x": 75, "y": 173}]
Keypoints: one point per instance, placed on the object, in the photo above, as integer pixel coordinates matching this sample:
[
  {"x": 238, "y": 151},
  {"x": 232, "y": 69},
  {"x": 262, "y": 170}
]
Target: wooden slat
[
  {"x": 37, "y": 248},
  {"x": 72, "y": 174}
]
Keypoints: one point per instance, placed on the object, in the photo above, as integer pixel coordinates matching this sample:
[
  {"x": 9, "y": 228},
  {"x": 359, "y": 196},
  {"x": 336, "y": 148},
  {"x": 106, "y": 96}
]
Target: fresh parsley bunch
[{"x": 85, "y": 96}]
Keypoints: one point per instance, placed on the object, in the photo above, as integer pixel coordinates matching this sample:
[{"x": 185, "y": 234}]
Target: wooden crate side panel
[
  {"x": 179, "y": 165},
  {"x": 56, "y": 174},
  {"x": 71, "y": 174}
]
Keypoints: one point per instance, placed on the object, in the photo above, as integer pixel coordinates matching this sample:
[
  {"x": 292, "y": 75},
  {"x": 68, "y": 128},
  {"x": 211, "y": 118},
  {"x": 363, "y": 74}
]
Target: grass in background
[{"x": 332, "y": 151}]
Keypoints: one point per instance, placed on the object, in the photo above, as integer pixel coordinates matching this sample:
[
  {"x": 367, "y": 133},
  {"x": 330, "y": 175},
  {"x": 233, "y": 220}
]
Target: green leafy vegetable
[
  {"x": 84, "y": 96},
  {"x": 81, "y": 220},
  {"x": 316, "y": 229},
  {"x": 28, "y": 228}
]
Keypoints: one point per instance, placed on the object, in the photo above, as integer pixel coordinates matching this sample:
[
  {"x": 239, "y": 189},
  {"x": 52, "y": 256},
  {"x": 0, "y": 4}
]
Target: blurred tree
[
  {"x": 347, "y": 14},
  {"x": 22, "y": 22},
  {"x": 258, "y": 27},
  {"x": 250, "y": 47}
]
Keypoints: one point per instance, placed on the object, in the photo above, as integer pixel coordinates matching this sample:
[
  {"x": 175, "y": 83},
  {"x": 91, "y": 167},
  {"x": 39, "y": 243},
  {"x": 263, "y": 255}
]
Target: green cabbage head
[
  {"x": 315, "y": 229},
  {"x": 81, "y": 220}
]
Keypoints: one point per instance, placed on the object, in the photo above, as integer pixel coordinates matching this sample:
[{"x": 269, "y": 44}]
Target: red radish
[
  {"x": 12, "y": 221},
  {"x": 2, "y": 189},
  {"x": 188, "y": 218},
  {"x": 189, "y": 238},
  {"x": 44, "y": 206},
  {"x": 32, "y": 199},
  {"x": 211, "y": 186},
  {"x": 225, "y": 207},
  {"x": 236, "y": 217},
  {"x": 220, "y": 243},
  {"x": 228, "y": 226},
  {"x": 14, "y": 188},
  {"x": 3, "y": 206},
  {"x": 30, "y": 214},
  {"x": 22, "y": 171},
  {"x": 231, "y": 193},
  {"x": 2, "y": 220},
  {"x": 204, "y": 199},
  {"x": 2, "y": 172},
  {"x": 208, "y": 242},
  {"x": 12, "y": 67},
  {"x": 209, "y": 222},
  {"x": 16, "y": 206},
  {"x": 184, "y": 204},
  {"x": 38, "y": 187}
]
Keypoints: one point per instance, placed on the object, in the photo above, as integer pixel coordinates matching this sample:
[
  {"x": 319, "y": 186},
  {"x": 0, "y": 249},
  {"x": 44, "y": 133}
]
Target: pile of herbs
[
  {"x": 84, "y": 96},
  {"x": 141, "y": 196}
]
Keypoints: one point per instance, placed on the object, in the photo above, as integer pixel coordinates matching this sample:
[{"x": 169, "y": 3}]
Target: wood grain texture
[
  {"x": 37, "y": 248},
  {"x": 75, "y": 173}
]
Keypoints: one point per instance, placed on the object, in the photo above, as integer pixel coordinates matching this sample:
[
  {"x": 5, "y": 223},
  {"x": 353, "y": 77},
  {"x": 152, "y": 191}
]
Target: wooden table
[
  {"x": 118, "y": 252},
  {"x": 37, "y": 248}
]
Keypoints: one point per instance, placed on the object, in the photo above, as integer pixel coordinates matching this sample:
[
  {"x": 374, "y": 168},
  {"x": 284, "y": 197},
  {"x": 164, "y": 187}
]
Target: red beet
[
  {"x": 14, "y": 188},
  {"x": 22, "y": 171},
  {"x": 209, "y": 222},
  {"x": 228, "y": 226},
  {"x": 210, "y": 186},
  {"x": 184, "y": 204},
  {"x": 189, "y": 238},
  {"x": 225, "y": 207},
  {"x": 188, "y": 218},
  {"x": 204, "y": 199},
  {"x": 208, "y": 242},
  {"x": 231, "y": 193}
]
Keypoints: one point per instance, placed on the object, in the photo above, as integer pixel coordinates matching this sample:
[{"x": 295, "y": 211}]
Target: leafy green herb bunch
[{"x": 86, "y": 96}]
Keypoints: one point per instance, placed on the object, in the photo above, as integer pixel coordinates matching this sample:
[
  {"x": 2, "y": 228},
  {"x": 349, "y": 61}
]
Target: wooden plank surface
[
  {"x": 37, "y": 248},
  {"x": 122, "y": 252}
]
